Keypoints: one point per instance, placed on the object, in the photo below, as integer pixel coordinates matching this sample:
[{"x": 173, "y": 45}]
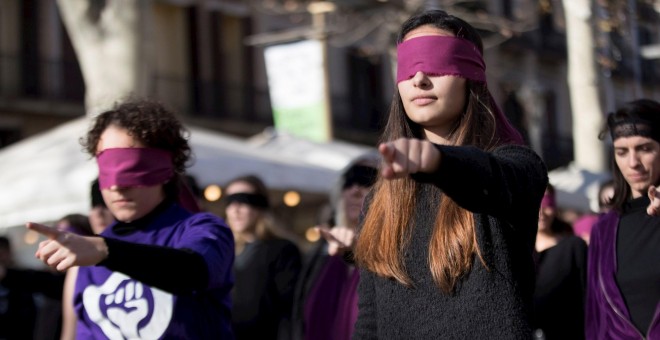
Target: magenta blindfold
[
  {"x": 134, "y": 167},
  {"x": 548, "y": 201},
  {"x": 439, "y": 56}
]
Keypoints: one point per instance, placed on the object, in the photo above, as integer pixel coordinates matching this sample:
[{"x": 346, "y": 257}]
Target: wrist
[{"x": 102, "y": 249}]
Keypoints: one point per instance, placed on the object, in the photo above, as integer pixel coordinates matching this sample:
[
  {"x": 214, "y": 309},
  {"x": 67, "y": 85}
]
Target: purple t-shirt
[{"x": 113, "y": 305}]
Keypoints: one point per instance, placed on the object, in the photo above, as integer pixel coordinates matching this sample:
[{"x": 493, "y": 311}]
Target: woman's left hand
[
  {"x": 406, "y": 156},
  {"x": 654, "y": 195},
  {"x": 63, "y": 250}
]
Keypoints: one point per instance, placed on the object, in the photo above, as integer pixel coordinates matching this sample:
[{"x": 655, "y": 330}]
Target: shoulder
[
  {"x": 205, "y": 219},
  {"x": 605, "y": 222},
  {"x": 281, "y": 245},
  {"x": 574, "y": 242}
]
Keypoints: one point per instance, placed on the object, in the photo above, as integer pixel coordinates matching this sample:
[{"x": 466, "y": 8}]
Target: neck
[
  {"x": 438, "y": 136},
  {"x": 248, "y": 236}
]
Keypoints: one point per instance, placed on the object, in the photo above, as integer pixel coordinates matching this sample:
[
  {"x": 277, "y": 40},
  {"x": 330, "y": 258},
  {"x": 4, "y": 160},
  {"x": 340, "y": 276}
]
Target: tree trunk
[
  {"x": 108, "y": 38},
  {"x": 589, "y": 151}
]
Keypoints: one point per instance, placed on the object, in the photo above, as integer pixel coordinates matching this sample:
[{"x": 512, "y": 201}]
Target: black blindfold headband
[
  {"x": 361, "y": 175},
  {"x": 633, "y": 127},
  {"x": 255, "y": 200}
]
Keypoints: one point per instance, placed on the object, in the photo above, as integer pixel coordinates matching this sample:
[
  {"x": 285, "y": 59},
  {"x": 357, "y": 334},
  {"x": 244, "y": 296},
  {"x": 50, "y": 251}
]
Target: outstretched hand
[
  {"x": 340, "y": 239},
  {"x": 654, "y": 196},
  {"x": 63, "y": 250},
  {"x": 406, "y": 156}
]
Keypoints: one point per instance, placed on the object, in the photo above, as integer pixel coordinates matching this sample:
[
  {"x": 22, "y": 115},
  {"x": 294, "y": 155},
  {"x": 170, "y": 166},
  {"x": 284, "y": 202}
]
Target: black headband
[
  {"x": 361, "y": 175},
  {"x": 630, "y": 126},
  {"x": 255, "y": 200}
]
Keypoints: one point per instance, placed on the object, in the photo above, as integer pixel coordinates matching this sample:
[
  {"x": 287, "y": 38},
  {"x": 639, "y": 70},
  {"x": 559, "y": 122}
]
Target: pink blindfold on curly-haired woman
[{"x": 141, "y": 167}]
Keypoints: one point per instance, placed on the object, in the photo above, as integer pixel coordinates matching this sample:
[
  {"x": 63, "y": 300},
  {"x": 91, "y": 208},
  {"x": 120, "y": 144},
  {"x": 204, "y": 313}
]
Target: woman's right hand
[
  {"x": 63, "y": 250},
  {"x": 406, "y": 156},
  {"x": 340, "y": 239}
]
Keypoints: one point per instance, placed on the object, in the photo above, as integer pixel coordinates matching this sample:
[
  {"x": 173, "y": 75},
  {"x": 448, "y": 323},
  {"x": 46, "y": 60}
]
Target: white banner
[{"x": 297, "y": 89}]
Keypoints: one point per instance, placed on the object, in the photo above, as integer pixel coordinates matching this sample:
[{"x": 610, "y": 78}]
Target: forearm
[
  {"x": 499, "y": 182},
  {"x": 178, "y": 271}
]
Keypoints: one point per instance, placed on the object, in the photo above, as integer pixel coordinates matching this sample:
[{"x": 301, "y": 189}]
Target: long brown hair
[{"x": 386, "y": 230}]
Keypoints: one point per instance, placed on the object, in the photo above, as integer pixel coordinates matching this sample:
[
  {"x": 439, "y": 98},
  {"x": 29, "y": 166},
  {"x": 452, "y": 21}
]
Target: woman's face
[
  {"x": 99, "y": 218},
  {"x": 434, "y": 102},
  {"x": 241, "y": 217},
  {"x": 129, "y": 203},
  {"x": 353, "y": 198},
  {"x": 638, "y": 158},
  {"x": 547, "y": 215}
]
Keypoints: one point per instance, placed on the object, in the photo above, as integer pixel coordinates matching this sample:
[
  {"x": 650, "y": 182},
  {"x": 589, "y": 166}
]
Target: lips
[
  {"x": 637, "y": 177},
  {"x": 424, "y": 100}
]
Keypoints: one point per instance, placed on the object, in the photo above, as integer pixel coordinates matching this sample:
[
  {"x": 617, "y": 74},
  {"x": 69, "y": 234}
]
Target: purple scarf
[{"x": 330, "y": 310}]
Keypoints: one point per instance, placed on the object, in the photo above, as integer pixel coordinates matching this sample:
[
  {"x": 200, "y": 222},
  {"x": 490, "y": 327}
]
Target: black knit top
[{"x": 503, "y": 189}]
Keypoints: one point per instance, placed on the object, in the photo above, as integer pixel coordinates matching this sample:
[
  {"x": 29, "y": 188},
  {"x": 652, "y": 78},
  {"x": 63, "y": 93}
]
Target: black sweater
[{"x": 503, "y": 189}]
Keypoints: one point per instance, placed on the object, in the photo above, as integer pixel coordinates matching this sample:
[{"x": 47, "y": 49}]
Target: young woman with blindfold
[
  {"x": 561, "y": 275},
  {"x": 162, "y": 269},
  {"x": 266, "y": 266},
  {"x": 446, "y": 247},
  {"x": 623, "y": 277}
]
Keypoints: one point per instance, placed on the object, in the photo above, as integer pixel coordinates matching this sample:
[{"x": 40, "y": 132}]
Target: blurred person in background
[
  {"x": 45, "y": 286},
  {"x": 325, "y": 304},
  {"x": 623, "y": 282},
  {"x": 162, "y": 269},
  {"x": 561, "y": 275},
  {"x": 18, "y": 310},
  {"x": 582, "y": 226},
  {"x": 99, "y": 218},
  {"x": 266, "y": 266}
]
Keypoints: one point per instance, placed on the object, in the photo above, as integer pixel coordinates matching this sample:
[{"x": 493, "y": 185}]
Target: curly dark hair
[{"x": 148, "y": 121}]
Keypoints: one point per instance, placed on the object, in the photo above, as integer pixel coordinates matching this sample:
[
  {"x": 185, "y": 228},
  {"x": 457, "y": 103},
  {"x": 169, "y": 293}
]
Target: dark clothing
[
  {"x": 560, "y": 289},
  {"x": 607, "y": 313},
  {"x": 503, "y": 189},
  {"x": 17, "y": 314},
  {"x": 265, "y": 272},
  {"x": 638, "y": 246},
  {"x": 41, "y": 296}
]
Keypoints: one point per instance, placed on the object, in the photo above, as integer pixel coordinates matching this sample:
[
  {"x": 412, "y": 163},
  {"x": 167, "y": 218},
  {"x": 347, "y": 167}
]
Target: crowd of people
[{"x": 451, "y": 231}]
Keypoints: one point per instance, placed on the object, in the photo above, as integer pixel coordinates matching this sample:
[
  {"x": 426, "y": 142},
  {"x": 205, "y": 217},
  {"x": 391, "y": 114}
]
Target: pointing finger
[{"x": 49, "y": 232}]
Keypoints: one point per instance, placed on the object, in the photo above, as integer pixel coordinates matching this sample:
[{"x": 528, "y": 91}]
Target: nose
[
  {"x": 633, "y": 160},
  {"x": 420, "y": 79}
]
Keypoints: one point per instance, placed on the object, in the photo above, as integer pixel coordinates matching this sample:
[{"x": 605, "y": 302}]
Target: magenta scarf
[
  {"x": 141, "y": 167},
  {"x": 134, "y": 167},
  {"x": 438, "y": 55}
]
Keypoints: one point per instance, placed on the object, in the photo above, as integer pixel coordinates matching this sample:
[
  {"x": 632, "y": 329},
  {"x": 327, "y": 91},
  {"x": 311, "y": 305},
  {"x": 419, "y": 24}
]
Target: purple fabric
[
  {"x": 141, "y": 167},
  {"x": 450, "y": 56},
  {"x": 134, "y": 167},
  {"x": 607, "y": 316},
  {"x": 324, "y": 300},
  {"x": 584, "y": 224},
  {"x": 439, "y": 56},
  {"x": 348, "y": 308},
  {"x": 113, "y": 305},
  {"x": 548, "y": 201}
]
